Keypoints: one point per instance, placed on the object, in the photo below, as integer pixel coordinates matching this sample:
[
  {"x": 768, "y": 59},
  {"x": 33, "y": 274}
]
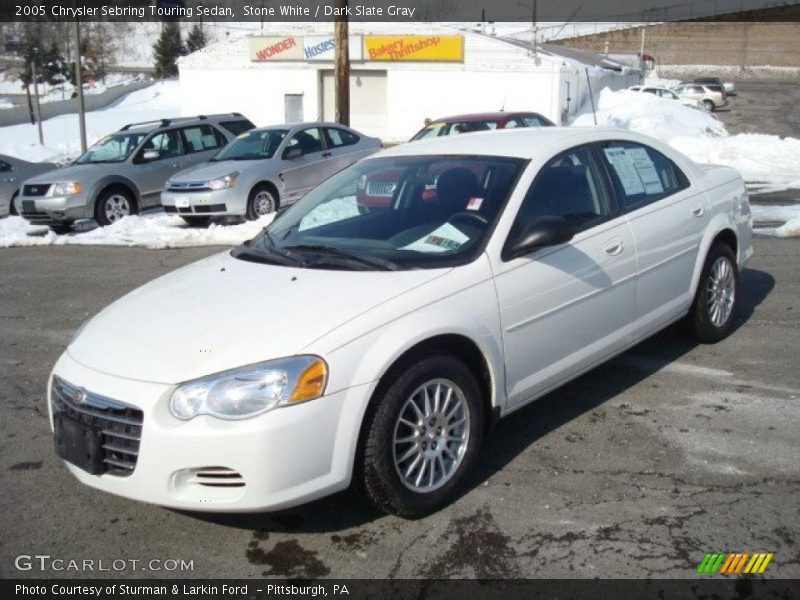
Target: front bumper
[
  {"x": 52, "y": 210},
  {"x": 284, "y": 457},
  {"x": 205, "y": 203}
]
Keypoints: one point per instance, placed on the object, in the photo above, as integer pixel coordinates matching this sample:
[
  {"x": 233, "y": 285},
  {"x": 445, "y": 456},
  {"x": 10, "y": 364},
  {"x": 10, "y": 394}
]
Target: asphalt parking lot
[{"x": 634, "y": 470}]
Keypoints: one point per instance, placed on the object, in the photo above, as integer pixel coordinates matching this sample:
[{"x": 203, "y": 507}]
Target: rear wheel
[
  {"x": 113, "y": 205},
  {"x": 716, "y": 301},
  {"x": 709, "y": 105},
  {"x": 12, "y": 206},
  {"x": 61, "y": 228},
  {"x": 262, "y": 201},
  {"x": 423, "y": 439},
  {"x": 197, "y": 221}
]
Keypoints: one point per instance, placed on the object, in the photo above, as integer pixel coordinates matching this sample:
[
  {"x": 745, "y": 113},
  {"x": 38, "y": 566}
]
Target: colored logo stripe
[{"x": 734, "y": 562}]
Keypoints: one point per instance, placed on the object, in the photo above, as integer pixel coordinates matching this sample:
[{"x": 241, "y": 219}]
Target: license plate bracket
[
  {"x": 78, "y": 443},
  {"x": 182, "y": 201}
]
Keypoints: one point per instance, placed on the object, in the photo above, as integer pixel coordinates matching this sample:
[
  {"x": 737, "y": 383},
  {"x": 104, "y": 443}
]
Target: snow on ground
[
  {"x": 61, "y": 137},
  {"x": 764, "y": 159},
  {"x": 156, "y": 231},
  {"x": 767, "y": 213}
]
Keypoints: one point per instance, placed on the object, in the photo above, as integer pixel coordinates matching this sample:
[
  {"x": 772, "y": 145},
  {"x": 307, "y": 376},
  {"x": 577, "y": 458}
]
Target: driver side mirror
[
  {"x": 541, "y": 232},
  {"x": 292, "y": 153},
  {"x": 149, "y": 155}
]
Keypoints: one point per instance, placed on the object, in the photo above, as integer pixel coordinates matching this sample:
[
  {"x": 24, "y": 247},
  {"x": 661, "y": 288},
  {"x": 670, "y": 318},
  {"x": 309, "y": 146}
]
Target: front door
[
  {"x": 563, "y": 307},
  {"x": 165, "y": 159},
  {"x": 300, "y": 174}
]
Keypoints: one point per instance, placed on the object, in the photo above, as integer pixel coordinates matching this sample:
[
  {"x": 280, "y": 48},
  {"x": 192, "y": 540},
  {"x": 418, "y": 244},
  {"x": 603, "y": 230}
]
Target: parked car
[
  {"x": 728, "y": 86},
  {"x": 124, "y": 172},
  {"x": 666, "y": 93},
  {"x": 13, "y": 171},
  {"x": 337, "y": 345},
  {"x": 711, "y": 97},
  {"x": 481, "y": 122},
  {"x": 264, "y": 169}
]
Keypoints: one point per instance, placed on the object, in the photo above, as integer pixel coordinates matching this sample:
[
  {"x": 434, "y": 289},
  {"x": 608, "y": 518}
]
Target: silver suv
[{"x": 125, "y": 171}]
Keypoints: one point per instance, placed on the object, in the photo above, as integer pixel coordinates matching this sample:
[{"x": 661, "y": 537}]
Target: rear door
[
  {"x": 668, "y": 216},
  {"x": 200, "y": 143},
  {"x": 151, "y": 175},
  {"x": 346, "y": 148},
  {"x": 565, "y": 307}
]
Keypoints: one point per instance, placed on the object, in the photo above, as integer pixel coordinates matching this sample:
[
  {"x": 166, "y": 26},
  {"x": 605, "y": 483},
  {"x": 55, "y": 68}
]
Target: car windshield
[
  {"x": 392, "y": 213},
  {"x": 455, "y": 127},
  {"x": 112, "y": 148},
  {"x": 253, "y": 145}
]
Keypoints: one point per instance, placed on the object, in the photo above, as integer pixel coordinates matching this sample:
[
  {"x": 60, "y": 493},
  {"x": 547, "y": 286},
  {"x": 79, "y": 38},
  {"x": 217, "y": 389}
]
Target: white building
[{"x": 401, "y": 74}]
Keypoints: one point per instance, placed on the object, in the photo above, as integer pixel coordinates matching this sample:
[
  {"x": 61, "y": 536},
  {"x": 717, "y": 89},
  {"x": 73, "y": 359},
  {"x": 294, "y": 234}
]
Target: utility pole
[
  {"x": 79, "y": 85},
  {"x": 342, "y": 65},
  {"x": 36, "y": 95}
]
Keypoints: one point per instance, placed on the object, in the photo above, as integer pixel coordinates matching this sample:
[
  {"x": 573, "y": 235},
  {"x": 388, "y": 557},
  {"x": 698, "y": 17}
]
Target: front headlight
[
  {"x": 251, "y": 390},
  {"x": 65, "y": 188},
  {"x": 221, "y": 183}
]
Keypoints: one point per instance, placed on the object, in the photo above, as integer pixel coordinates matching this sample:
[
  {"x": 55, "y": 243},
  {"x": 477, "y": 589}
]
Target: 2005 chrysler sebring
[{"x": 378, "y": 345}]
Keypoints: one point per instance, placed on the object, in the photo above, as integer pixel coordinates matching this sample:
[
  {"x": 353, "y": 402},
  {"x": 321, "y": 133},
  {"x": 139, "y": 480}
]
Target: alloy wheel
[
  {"x": 117, "y": 206},
  {"x": 721, "y": 291},
  {"x": 263, "y": 203}
]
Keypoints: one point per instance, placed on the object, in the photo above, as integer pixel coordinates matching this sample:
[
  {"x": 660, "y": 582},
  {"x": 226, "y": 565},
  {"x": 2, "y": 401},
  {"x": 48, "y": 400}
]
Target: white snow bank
[
  {"x": 149, "y": 231},
  {"x": 61, "y": 134},
  {"x": 761, "y": 158},
  {"x": 789, "y": 213}
]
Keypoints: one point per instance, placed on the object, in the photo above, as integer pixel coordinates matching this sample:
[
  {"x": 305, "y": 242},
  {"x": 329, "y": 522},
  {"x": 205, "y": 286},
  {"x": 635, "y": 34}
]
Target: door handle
[
  {"x": 326, "y": 154},
  {"x": 614, "y": 246},
  {"x": 698, "y": 211}
]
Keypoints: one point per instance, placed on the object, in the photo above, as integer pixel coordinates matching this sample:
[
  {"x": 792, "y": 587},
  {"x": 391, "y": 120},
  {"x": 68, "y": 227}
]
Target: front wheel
[
  {"x": 423, "y": 439},
  {"x": 716, "y": 301},
  {"x": 113, "y": 205},
  {"x": 262, "y": 201}
]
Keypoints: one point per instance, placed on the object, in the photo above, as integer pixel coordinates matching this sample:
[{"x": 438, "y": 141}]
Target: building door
[
  {"x": 367, "y": 100},
  {"x": 293, "y": 105}
]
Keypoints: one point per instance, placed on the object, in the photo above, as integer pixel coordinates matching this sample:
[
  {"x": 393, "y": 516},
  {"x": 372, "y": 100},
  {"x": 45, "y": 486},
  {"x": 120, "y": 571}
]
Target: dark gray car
[
  {"x": 13, "y": 171},
  {"x": 124, "y": 172}
]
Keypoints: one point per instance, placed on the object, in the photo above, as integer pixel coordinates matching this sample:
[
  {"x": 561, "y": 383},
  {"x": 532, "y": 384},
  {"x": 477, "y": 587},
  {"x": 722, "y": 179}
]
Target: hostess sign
[{"x": 417, "y": 48}]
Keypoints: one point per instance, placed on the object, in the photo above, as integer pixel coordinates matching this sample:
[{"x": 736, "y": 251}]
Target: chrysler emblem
[{"x": 79, "y": 397}]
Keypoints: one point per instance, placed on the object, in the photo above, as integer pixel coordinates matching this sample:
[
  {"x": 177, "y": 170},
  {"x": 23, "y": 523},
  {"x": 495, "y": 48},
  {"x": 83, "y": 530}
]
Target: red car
[{"x": 481, "y": 122}]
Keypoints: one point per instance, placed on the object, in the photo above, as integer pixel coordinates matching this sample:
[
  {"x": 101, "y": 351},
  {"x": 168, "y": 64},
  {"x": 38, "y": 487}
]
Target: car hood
[
  {"x": 221, "y": 313},
  {"x": 213, "y": 170},
  {"x": 70, "y": 173}
]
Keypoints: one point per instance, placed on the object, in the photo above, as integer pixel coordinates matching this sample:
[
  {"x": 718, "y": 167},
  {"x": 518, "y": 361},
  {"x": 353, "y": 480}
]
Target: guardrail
[{"x": 21, "y": 114}]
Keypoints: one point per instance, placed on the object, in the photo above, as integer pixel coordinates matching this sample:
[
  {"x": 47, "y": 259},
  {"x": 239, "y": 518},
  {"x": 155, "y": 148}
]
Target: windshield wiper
[
  {"x": 268, "y": 255},
  {"x": 378, "y": 263}
]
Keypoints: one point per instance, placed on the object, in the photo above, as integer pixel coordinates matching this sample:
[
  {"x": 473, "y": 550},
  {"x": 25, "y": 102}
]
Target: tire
[
  {"x": 61, "y": 228},
  {"x": 442, "y": 466},
  {"x": 12, "y": 208},
  {"x": 197, "y": 221},
  {"x": 709, "y": 105},
  {"x": 716, "y": 302},
  {"x": 262, "y": 200},
  {"x": 113, "y": 204}
]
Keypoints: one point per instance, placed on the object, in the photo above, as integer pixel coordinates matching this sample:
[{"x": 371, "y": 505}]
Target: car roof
[
  {"x": 499, "y": 115},
  {"x": 519, "y": 143}
]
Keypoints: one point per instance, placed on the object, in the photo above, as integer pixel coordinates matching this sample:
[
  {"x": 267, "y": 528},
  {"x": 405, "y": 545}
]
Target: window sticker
[
  {"x": 444, "y": 238},
  {"x": 474, "y": 203},
  {"x": 626, "y": 171},
  {"x": 647, "y": 170}
]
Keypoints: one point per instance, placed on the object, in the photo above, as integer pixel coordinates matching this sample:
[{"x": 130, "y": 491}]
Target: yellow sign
[{"x": 425, "y": 48}]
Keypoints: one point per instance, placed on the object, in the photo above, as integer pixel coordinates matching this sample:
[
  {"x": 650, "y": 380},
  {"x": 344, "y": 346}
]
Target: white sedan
[{"x": 379, "y": 344}]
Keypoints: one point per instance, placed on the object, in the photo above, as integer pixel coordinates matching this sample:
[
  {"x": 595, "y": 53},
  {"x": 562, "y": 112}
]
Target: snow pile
[
  {"x": 151, "y": 231},
  {"x": 159, "y": 101},
  {"x": 701, "y": 136},
  {"x": 790, "y": 213},
  {"x": 658, "y": 117}
]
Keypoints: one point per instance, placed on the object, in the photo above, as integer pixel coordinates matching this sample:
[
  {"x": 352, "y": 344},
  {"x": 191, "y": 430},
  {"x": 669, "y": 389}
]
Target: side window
[
  {"x": 200, "y": 138},
  {"x": 4, "y": 166},
  {"x": 698, "y": 89},
  {"x": 340, "y": 137},
  {"x": 166, "y": 143},
  {"x": 650, "y": 91},
  {"x": 237, "y": 127},
  {"x": 642, "y": 175},
  {"x": 531, "y": 121},
  {"x": 310, "y": 140},
  {"x": 568, "y": 186}
]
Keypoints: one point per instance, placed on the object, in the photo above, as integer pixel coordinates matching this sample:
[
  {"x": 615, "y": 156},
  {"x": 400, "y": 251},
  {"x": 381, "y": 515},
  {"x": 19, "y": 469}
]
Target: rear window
[{"x": 237, "y": 127}]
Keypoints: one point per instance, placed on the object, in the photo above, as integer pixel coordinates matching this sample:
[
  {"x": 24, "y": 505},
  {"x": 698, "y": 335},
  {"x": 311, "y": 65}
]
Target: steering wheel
[{"x": 468, "y": 216}]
